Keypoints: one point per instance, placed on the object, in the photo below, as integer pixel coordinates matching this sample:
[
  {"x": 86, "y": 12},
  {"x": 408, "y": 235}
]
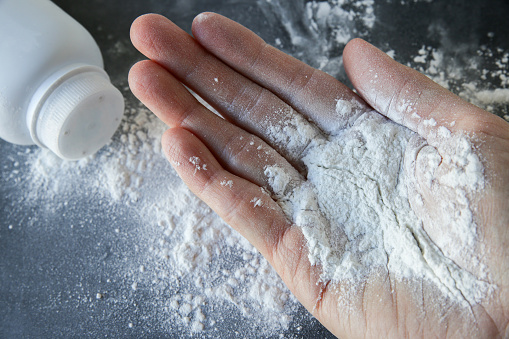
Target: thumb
[{"x": 412, "y": 99}]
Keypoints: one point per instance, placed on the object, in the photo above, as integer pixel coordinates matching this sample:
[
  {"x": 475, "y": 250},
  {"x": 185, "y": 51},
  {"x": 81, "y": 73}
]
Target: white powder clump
[
  {"x": 198, "y": 166},
  {"x": 257, "y": 202},
  {"x": 496, "y": 96},
  {"x": 355, "y": 213},
  {"x": 455, "y": 185},
  {"x": 443, "y": 132},
  {"x": 343, "y": 109}
]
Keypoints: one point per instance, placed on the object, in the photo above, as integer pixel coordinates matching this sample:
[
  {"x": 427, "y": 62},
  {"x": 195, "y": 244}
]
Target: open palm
[{"x": 261, "y": 94}]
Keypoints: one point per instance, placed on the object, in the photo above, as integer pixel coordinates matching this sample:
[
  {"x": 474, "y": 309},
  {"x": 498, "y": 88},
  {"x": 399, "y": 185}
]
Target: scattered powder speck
[
  {"x": 257, "y": 202},
  {"x": 228, "y": 183},
  {"x": 198, "y": 166},
  {"x": 481, "y": 79}
]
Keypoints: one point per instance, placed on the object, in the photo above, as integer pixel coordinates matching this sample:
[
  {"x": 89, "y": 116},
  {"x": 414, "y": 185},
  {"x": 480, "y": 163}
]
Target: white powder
[
  {"x": 198, "y": 166},
  {"x": 228, "y": 183},
  {"x": 293, "y": 134},
  {"x": 496, "y": 96},
  {"x": 322, "y": 28},
  {"x": 471, "y": 77},
  {"x": 337, "y": 16},
  {"x": 257, "y": 202},
  {"x": 355, "y": 213},
  {"x": 429, "y": 122}
]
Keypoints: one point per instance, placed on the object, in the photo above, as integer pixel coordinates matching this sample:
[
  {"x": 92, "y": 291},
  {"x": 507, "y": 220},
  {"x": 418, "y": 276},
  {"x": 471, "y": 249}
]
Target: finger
[
  {"x": 245, "y": 207},
  {"x": 234, "y": 96},
  {"x": 410, "y": 98},
  {"x": 317, "y": 95},
  {"x": 240, "y": 152}
]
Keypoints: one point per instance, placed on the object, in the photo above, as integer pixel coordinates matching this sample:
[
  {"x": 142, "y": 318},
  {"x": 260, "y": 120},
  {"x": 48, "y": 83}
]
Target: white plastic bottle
[{"x": 54, "y": 91}]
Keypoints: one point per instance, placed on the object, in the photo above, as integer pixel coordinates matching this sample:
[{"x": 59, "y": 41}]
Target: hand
[{"x": 261, "y": 92}]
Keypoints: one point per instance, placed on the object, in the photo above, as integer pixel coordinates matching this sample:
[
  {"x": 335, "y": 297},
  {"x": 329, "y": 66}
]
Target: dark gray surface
[{"x": 48, "y": 270}]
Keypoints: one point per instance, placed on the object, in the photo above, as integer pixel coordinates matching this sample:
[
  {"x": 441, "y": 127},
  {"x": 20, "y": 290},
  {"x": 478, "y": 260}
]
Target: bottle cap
[{"x": 80, "y": 115}]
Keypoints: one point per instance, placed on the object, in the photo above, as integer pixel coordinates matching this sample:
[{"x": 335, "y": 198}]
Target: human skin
[{"x": 250, "y": 83}]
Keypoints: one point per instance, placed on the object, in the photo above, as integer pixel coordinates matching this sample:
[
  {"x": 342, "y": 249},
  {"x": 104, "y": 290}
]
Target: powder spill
[{"x": 191, "y": 259}]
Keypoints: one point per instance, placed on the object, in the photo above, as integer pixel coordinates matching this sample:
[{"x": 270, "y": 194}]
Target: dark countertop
[{"x": 59, "y": 250}]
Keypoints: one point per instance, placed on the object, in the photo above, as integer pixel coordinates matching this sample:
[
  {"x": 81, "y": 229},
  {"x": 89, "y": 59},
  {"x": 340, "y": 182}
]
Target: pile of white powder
[
  {"x": 355, "y": 213},
  {"x": 193, "y": 266}
]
